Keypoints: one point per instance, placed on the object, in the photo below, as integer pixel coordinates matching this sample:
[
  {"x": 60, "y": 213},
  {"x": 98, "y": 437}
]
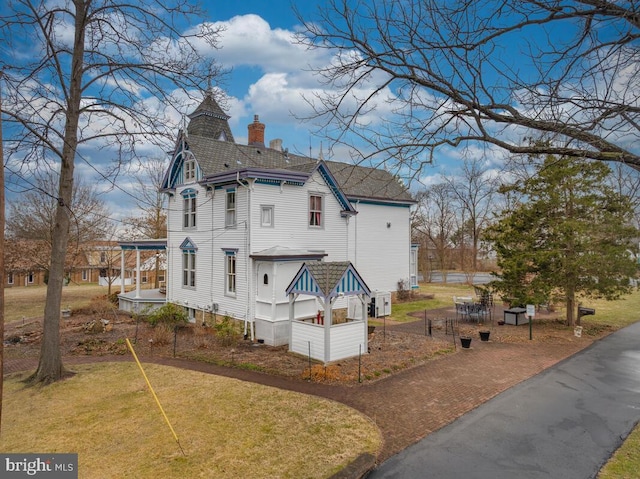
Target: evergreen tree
[{"x": 570, "y": 237}]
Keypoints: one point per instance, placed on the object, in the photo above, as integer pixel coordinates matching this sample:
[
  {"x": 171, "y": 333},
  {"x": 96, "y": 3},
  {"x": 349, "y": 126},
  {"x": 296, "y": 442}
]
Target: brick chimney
[{"x": 256, "y": 132}]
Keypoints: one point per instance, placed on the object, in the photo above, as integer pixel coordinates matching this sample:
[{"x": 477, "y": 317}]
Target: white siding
[
  {"x": 348, "y": 340},
  {"x": 305, "y": 337},
  {"x": 381, "y": 236},
  {"x": 380, "y": 253},
  {"x": 291, "y": 221}
]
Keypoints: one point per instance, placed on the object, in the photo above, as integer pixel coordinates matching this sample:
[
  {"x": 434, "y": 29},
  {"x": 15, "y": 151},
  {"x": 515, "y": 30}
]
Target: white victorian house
[{"x": 244, "y": 219}]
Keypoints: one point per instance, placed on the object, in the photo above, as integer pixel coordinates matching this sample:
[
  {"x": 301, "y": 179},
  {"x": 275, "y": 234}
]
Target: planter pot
[
  {"x": 500, "y": 323},
  {"x": 484, "y": 335},
  {"x": 465, "y": 341}
]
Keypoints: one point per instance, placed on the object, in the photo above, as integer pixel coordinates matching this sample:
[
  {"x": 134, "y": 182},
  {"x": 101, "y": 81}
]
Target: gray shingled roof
[
  {"x": 327, "y": 274},
  {"x": 208, "y": 120},
  {"x": 215, "y": 156}
]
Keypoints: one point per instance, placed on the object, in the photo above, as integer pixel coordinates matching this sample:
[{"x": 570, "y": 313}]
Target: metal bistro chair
[
  {"x": 461, "y": 303},
  {"x": 478, "y": 312},
  {"x": 462, "y": 311}
]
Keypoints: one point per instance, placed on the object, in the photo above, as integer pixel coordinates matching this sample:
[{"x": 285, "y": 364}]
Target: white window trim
[
  {"x": 322, "y": 210},
  {"x": 10, "y": 278},
  {"x": 189, "y": 211},
  {"x": 189, "y": 170},
  {"x": 228, "y": 254},
  {"x": 227, "y": 210},
  {"x": 270, "y": 224},
  {"x": 188, "y": 269}
]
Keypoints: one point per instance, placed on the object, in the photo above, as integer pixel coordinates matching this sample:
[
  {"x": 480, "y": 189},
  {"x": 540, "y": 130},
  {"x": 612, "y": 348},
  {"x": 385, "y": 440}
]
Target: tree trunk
[
  {"x": 570, "y": 304},
  {"x": 2, "y": 268},
  {"x": 50, "y": 367}
]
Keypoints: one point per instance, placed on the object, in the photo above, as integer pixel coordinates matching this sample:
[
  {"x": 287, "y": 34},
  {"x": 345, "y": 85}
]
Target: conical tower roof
[{"x": 210, "y": 121}]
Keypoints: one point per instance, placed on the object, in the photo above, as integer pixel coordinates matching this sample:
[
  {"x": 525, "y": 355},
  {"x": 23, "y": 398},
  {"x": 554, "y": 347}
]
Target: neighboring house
[
  {"x": 243, "y": 219},
  {"x": 99, "y": 262}
]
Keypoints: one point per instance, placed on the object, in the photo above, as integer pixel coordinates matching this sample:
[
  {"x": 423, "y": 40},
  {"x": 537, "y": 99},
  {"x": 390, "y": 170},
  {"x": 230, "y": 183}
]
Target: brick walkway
[{"x": 408, "y": 405}]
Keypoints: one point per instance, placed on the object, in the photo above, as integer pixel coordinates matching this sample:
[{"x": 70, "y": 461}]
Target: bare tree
[
  {"x": 436, "y": 222},
  {"x": 411, "y": 77},
  {"x": 473, "y": 191},
  {"x": 152, "y": 222},
  {"x": 626, "y": 182},
  {"x": 2, "y": 265},
  {"x": 32, "y": 215},
  {"x": 99, "y": 73}
]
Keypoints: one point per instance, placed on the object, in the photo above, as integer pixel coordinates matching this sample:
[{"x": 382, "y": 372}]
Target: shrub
[
  {"x": 169, "y": 315},
  {"x": 162, "y": 335},
  {"x": 404, "y": 290},
  {"x": 227, "y": 331}
]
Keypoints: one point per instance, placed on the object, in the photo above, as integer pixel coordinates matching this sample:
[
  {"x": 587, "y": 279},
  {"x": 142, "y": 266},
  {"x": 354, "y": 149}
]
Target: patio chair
[
  {"x": 462, "y": 311},
  {"x": 478, "y": 312}
]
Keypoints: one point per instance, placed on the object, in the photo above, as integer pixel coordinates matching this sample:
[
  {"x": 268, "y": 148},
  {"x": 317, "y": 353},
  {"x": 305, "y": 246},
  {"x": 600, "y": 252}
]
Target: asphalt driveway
[{"x": 563, "y": 423}]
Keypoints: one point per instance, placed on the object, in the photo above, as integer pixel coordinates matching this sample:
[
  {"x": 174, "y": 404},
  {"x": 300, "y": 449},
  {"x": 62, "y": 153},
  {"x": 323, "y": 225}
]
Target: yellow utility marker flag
[{"x": 154, "y": 394}]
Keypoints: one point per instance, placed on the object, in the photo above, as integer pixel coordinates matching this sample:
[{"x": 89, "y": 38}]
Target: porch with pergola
[{"x": 326, "y": 341}]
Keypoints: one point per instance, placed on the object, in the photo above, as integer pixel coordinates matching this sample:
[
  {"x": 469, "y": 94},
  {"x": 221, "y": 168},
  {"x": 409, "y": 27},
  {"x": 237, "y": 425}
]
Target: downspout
[
  {"x": 212, "y": 269},
  {"x": 355, "y": 239},
  {"x": 347, "y": 255},
  {"x": 248, "y": 277}
]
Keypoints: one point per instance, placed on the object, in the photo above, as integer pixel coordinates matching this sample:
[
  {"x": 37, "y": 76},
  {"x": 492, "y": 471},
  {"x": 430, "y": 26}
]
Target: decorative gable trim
[
  {"x": 330, "y": 180},
  {"x": 328, "y": 280},
  {"x": 188, "y": 244}
]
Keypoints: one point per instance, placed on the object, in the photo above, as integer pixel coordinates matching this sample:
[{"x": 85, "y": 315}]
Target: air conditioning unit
[{"x": 380, "y": 304}]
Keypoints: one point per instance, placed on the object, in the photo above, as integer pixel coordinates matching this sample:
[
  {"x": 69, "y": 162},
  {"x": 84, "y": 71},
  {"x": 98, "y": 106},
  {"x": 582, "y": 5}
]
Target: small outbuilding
[{"x": 320, "y": 338}]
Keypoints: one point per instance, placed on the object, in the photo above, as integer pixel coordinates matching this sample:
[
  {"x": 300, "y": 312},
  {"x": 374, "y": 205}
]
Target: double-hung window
[
  {"x": 188, "y": 249},
  {"x": 189, "y": 268},
  {"x": 189, "y": 209},
  {"x": 189, "y": 170},
  {"x": 230, "y": 272},
  {"x": 315, "y": 211},
  {"x": 230, "y": 205}
]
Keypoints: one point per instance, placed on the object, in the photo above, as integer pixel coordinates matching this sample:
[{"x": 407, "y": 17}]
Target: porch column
[
  {"x": 292, "y": 300},
  {"x": 365, "y": 319},
  {"x": 327, "y": 329},
  {"x": 121, "y": 271},
  {"x": 137, "y": 273}
]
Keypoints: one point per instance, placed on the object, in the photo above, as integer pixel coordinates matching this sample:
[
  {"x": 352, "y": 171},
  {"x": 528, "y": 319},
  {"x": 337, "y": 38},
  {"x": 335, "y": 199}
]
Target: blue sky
[{"x": 269, "y": 77}]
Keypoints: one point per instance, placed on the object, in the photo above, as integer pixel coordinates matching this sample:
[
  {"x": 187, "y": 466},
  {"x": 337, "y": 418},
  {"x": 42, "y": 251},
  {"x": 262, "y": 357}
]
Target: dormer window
[{"x": 189, "y": 170}]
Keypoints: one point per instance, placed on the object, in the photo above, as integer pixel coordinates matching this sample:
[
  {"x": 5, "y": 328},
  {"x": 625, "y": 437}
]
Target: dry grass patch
[
  {"x": 28, "y": 302},
  {"x": 227, "y": 428}
]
